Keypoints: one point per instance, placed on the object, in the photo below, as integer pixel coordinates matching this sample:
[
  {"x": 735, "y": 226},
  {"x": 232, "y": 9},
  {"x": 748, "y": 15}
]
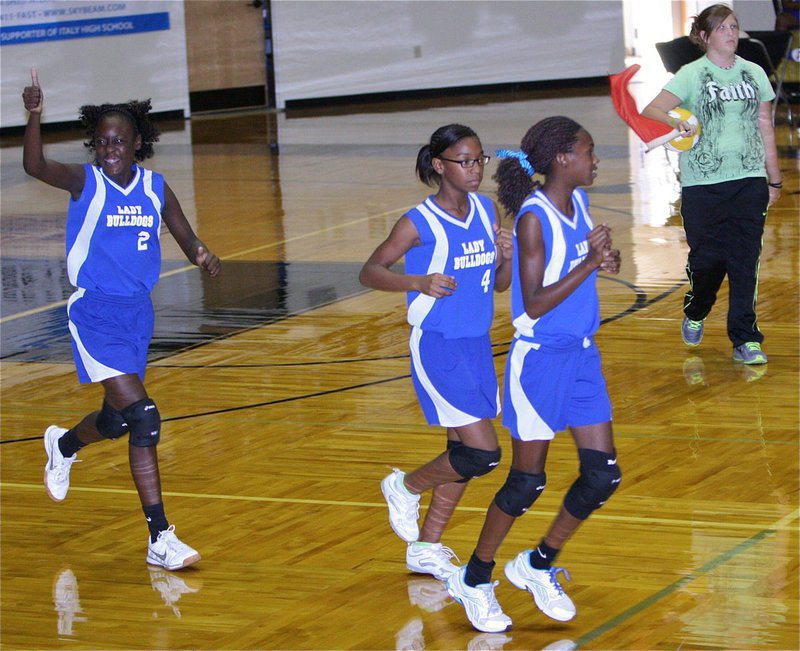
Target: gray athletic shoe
[
  {"x": 749, "y": 353},
  {"x": 691, "y": 331}
]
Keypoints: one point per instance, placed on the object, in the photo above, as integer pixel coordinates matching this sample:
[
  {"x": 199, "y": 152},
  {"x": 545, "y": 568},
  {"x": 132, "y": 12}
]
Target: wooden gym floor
[{"x": 285, "y": 392}]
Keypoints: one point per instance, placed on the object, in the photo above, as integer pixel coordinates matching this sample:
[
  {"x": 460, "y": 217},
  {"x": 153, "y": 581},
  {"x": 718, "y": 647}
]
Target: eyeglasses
[{"x": 468, "y": 164}]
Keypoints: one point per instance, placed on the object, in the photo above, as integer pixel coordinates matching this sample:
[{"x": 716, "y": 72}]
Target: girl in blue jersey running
[
  {"x": 553, "y": 376},
  {"x": 456, "y": 255},
  {"x": 113, "y": 259}
]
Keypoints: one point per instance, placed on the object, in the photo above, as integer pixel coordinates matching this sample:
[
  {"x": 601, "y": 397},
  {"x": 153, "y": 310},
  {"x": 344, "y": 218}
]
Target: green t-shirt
[{"x": 726, "y": 103}]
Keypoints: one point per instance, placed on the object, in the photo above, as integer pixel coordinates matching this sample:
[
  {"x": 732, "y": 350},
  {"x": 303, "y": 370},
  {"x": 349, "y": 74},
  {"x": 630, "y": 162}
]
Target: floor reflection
[
  {"x": 172, "y": 586},
  {"x": 429, "y": 594},
  {"x": 189, "y": 308},
  {"x": 67, "y": 602}
]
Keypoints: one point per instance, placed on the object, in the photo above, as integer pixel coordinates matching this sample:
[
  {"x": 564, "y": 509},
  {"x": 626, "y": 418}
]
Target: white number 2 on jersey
[
  {"x": 485, "y": 280},
  {"x": 143, "y": 237}
]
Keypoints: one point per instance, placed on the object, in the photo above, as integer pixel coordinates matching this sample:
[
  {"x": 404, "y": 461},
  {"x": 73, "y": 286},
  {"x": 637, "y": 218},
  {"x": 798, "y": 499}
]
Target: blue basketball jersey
[
  {"x": 578, "y": 316},
  {"x": 460, "y": 248},
  {"x": 113, "y": 233}
]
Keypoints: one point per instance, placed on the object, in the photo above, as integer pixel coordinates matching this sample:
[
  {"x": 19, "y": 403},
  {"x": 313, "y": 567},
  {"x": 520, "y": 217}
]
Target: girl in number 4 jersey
[{"x": 456, "y": 256}]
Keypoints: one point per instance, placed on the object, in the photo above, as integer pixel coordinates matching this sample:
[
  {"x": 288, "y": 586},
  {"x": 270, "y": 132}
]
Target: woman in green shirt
[{"x": 728, "y": 179}]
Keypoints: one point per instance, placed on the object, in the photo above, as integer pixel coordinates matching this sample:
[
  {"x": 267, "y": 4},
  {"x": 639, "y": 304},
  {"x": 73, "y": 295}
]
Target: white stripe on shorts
[
  {"x": 97, "y": 371},
  {"x": 449, "y": 416},
  {"x": 530, "y": 425}
]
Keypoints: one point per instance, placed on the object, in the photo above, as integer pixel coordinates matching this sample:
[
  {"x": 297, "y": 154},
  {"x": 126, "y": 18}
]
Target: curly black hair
[
  {"x": 135, "y": 111},
  {"x": 543, "y": 141}
]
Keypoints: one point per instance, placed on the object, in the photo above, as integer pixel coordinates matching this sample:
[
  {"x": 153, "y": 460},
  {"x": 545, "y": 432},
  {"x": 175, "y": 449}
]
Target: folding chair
[
  {"x": 677, "y": 52},
  {"x": 755, "y": 50},
  {"x": 778, "y": 46}
]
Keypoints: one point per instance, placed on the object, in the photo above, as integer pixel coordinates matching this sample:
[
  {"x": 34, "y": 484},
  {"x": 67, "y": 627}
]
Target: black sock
[
  {"x": 156, "y": 520},
  {"x": 478, "y": 571},
  {"x": 69, "y": 444},
  {"x": 543, "y": 556}
]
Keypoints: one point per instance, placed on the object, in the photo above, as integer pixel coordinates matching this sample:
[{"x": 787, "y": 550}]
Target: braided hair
[
  {"x": 441, "y": 139},
  {"x": 543, "y": 141},
  {"x": 134, "y": 111}
]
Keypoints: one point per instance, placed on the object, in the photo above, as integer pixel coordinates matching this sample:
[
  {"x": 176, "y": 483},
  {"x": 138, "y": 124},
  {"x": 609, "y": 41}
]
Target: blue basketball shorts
[
  {"x": 455, "y": 379},
  {"x": 549, "y": 390},
  {"x": 110, "y": 334}
]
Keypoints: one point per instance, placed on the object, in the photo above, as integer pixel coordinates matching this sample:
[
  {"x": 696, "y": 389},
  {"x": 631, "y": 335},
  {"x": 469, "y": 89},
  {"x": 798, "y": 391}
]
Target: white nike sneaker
[
  {"x": 483, "y": 611},
  {"x": 431, "y": 558},
  {"x": 56, "y": 472},
  {"x": 403, "y": 506},
  {"x": 169, "y": 552},
  {"x": 543, "y": 586}
]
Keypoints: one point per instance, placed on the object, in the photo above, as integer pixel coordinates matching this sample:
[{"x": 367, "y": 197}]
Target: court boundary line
[
  {"x": 780, "y": 525},
  {"x": 709, "y": 566}
]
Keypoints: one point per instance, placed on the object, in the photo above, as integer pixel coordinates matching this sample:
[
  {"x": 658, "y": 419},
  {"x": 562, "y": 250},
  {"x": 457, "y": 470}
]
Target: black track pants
[{"x": 724, "y": 225}]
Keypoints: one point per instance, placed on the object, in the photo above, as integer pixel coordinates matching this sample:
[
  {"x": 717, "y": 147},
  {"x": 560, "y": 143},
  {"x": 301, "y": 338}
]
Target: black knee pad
[
  {"x": 472, "y": 462},
  {"x": 519, "y": 492},
  {"x": 111, "y": 423},
  {"x": 452, "y": 445},
  {"x": 144, "y": 423},
  {"x": 599, "y": 478}
]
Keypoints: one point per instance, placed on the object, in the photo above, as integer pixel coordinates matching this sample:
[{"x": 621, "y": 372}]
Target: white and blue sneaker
[
  {"x": 483, "y": 611},
  {"x": 543, "y": 585}
]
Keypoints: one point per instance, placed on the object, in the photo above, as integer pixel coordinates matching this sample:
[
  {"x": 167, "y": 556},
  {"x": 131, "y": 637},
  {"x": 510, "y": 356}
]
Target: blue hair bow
[{"x": 521, "y": 156}]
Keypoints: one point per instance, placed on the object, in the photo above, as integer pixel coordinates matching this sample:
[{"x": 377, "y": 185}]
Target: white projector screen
[{"x": 348, "y": 47}]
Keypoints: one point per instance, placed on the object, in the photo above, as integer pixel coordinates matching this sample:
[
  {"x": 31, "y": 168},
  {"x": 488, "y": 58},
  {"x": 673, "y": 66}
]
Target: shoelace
[
  {"x": 172, "y": 542},
  {"x": 447, "y": 553},
  {"x": 753, "y": 345},
  {"x": 694, "y": 325},
  {"x": 62, "y": 469},
  {"x": 493, "y": 607},
  {"x": 169, "y": 532},
  {"x": 558, "y": 570}
]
